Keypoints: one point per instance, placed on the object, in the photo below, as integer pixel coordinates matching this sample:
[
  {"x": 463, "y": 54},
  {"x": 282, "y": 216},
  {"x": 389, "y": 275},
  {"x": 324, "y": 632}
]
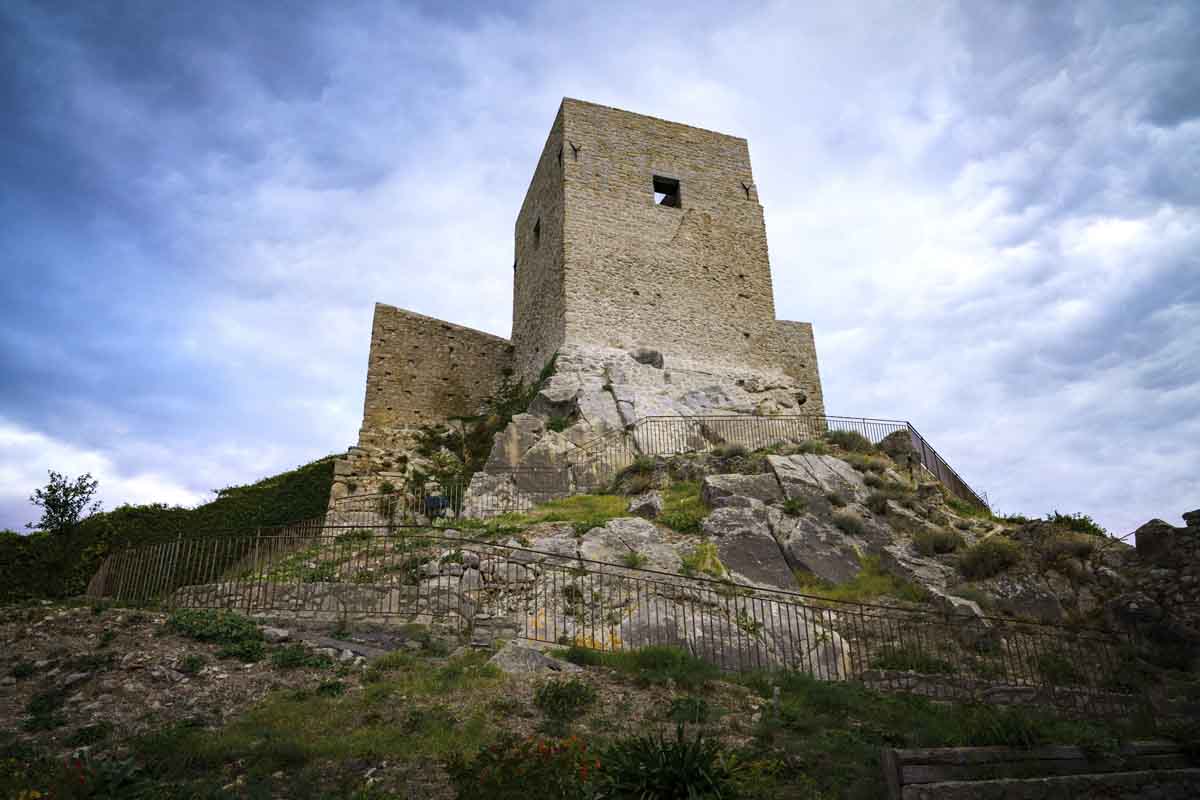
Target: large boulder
[
  {"x": 747, "y": 548},
  {"x": 717, "y": 489},
  {"x": 648, "y": 505},
  {"x": 516, "y": 659},
  {"x": 804, "y": 475},
  {"x": 511, "y": 444},
  {"x": 812, "y": 544}
]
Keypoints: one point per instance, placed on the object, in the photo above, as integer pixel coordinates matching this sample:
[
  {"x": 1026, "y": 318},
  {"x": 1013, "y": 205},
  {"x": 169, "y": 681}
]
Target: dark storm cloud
[{"x": 987, "y": 210}]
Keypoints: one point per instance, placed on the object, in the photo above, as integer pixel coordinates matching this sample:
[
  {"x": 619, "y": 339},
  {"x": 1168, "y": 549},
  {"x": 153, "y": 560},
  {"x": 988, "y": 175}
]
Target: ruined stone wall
[
  {"x": 794, "y": 351},
  {"x": 538, "y": 302},
  {"x": 693, "y": 282},
  {"x": 423, "y": 370}
]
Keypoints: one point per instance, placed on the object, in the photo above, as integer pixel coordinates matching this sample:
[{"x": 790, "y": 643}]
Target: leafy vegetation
[
  {"x": 795, "y": 506},
  {"x": 45, "y": 565},
  {"x": 679, "y": 768},
  {"x": 833, "y": 731},
  {"x": 849, "y": 523},
  {"x": 870, "y": 583},
  {"x": 937, "y": 542},
  {"x": 853, "y": 441},
  {"x": 703, "y": 560},
  {"x": 239, "y": 636},
  {"x": 989, "y": 557},
  {"x": 683, "y": 509},
  {"x": 563, "y": 701},
  {"x": 64, "y": 502},
  {"x": 910, "y": 658},
  {"x": 656, "y": 665}
]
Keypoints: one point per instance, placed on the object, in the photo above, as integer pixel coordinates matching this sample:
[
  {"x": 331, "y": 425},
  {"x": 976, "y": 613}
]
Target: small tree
[{"x": 64, "y": 502}]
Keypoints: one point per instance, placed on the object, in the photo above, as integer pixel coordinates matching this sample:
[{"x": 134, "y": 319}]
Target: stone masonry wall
[
  {"x": 794, "y": 351},
  {"x": 423, "y": 370},
  {"x": 538, "y": 302},
  {"x": 693, "y": 282}
]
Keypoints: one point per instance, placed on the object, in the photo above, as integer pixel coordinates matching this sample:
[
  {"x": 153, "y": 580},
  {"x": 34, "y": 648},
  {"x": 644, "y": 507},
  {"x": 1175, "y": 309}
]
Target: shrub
[
  {"x": 1068, "y": 545},
  {"x": 1057, "y": 670},
  {"x": 654, "y": 665},
  {"x": 683, "y": 509},
  {"x": 989, "y": 557},
  {"x": 191, "y": 664},
  {"x": 331, "y": 689},
  {"x": 873, "y": 480},
  {"x": 564, "y": 700},
  {"x": 658, "y": 767},
  {"x": 703, "y": 559},
  {"x": 634, "y": 560},
  {"x": 910, "y": 659},
  {"x": 849, "y": 523},
  {"x": 43, "y": 710},
  {"x": 877, "y": 503},
  {"x": 89, "y": 734},
  {"x": 724, "y": 451},
  {"x": 937, "y": 542},
  {"x": 295, "y": 656},
  {"x": 22, "y": 670},
  {"x": 813, "y": 447},
  {"x": 689, "y": 708},
  {"x": 795, "y": 506},
  {"x": 558, "y": 424},
  {"x": 853, "y": 441},
  {"x": 523, "y": 768},
  {"x": 1079, "y": 523},
  {"x": 836, "y": 499},
  {"x": 240, "y": 636}
]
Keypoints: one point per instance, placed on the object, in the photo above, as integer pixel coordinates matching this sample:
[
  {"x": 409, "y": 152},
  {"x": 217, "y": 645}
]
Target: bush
[
  {"x": 634, "y": 560},
  {"x": 725, "y": 451},
  {"x": 665, "y": 769},
  {"x": 240, "y": 636},
  {"x": 853, "y": 441},
  {"x": 296, "y": 656},
  {"x": 813, "y": 447},
  {"x": 654, "y": 665},
  {"x": 849, "y": 523},
  {"x": 702, "y": 560},
  {"x": 564, "y": 700},
  {"x": 683, "y": 509},
  {"x": 1079, "y": 523},
  {"x": 910, "y": 659},
  {"x": 1068, "y": 545},
  {"x": 689, "y": 709},
  {"x": 524, "y": 768},
  {"x": 191, "y": 664},
  {"x": 877, "y": 503},
  {"x": 937, "y": 542},
  {"x": 795, "y": 506},
  {"x": 837, "y": 499},
  {"x": 989, "y": 557}
]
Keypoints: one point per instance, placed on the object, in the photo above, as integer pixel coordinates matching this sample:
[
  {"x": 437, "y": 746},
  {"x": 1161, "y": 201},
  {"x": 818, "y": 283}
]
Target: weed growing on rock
[
  {"x": 937, "y": 542},
  {"x": 813, "y": 447},
  {"x": 989, "y": 557},
  {"x": 795, "y": 506},
  {"x": 634, "y": 560},
  {"x": 837, "y": 499},
  {"x": 702, "y": 560},
  {"x": 849, "y": 523},
  {"x": 683, "y": 509},
  {"x": 853, "y": 441}
]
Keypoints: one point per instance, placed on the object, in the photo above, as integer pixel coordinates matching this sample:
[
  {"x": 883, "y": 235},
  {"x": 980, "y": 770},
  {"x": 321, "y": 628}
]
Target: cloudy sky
[{"x": 989, "y": 211}]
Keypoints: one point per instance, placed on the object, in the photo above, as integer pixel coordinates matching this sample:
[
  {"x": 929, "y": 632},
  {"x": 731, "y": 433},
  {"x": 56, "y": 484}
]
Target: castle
[{"x": 636, "y": 234}]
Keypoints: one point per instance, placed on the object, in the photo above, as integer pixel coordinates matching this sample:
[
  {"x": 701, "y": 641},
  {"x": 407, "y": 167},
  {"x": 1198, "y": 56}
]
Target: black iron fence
[{"x": 488, "y": 590}]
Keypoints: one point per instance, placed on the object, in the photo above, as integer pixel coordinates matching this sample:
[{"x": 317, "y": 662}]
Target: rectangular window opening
[
  {"x": 666, "y": 192},
  {"x": 537, "y": 232}
]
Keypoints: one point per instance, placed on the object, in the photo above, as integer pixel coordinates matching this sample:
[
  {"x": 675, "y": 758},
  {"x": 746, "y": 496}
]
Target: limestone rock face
[
  {"x": 803, "y": 476},
  {"x": 648, "y": 505},
  {"x": 716, "y": 489},
  {"x": 517, "y": 660},
  {"x": 812, "y": 545}
]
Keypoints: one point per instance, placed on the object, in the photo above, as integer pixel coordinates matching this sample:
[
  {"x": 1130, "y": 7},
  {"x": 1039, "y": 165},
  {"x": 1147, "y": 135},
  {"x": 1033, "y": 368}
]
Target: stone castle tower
[{"x": 635, "y": 233}]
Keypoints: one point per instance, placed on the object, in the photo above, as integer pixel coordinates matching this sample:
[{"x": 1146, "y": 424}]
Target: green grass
[
  {"x": 833, "y": 732},
  {"x": 870, "y": 583},
  {"x": 683, "y": 510},
  {"x": 703, "y": 560},
  {"x": 908, "y": 658},
  {"x": 584, "y": 511},
  {"x": 650, "y": 666},
  {"x": 850, "y": 440}
]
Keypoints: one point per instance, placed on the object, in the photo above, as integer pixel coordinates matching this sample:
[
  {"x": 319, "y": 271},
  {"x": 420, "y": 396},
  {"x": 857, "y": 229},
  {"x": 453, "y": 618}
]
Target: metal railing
[
  {"x": 594, "y": 466},
  {"x": 492, "y": 590}
]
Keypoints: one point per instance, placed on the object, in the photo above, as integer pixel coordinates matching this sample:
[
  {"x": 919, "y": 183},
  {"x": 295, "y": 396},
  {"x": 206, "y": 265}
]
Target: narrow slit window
[
  {"x": 666, "y": 192},
  {"x": 537, "y": 232}
]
